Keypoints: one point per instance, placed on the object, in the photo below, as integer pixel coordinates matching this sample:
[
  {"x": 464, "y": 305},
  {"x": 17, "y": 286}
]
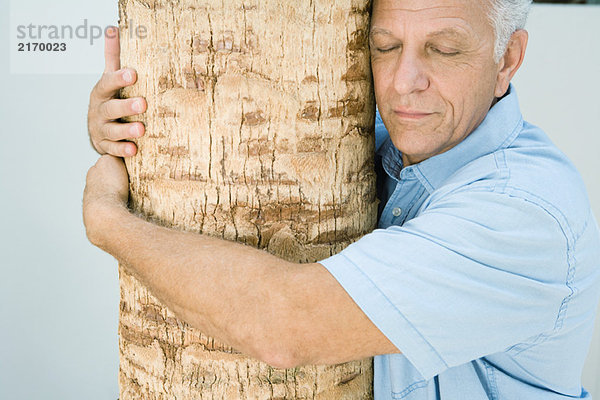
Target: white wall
[
  {"x": 559, "y": 87},
  {"x": 59, "y": 295}
]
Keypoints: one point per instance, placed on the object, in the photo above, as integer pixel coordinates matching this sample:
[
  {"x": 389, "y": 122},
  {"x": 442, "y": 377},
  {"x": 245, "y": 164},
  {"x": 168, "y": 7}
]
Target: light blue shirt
[{"x": 485, "y": 269}]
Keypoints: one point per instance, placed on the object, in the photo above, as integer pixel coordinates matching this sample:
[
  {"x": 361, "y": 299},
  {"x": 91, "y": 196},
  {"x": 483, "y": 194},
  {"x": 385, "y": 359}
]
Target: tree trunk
[{"x": 260, "y": 130}]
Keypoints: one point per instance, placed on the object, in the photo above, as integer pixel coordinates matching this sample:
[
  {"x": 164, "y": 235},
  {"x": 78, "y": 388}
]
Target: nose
[{"x": 410, "y": 75}]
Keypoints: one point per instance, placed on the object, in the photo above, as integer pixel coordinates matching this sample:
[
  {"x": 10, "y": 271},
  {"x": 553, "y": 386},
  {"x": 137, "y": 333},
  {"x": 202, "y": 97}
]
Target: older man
[{"x": 483, "y": 278}]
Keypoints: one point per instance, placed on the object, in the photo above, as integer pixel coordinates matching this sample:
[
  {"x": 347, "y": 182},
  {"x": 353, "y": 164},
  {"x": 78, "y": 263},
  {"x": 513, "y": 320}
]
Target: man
[{"x": 483, "y": 278}]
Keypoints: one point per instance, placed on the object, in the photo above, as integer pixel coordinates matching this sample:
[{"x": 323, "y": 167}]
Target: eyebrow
[
  {"x": 451, "y": 32},
  {"x": 379, "y": 31}
]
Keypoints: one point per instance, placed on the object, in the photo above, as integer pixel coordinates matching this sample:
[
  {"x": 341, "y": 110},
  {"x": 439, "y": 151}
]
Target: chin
[{"x": 415, "y": 144}]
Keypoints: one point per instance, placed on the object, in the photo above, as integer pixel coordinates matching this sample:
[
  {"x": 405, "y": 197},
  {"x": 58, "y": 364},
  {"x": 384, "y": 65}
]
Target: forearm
[
  {"x": 229, "y": 291},
  {"x": 279, "y": 312}
]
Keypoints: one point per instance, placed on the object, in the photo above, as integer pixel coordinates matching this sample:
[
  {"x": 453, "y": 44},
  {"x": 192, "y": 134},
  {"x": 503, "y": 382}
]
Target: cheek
[
  {"x": 465, "y": 91},
  {"x": 379, "y": 90},
  {"x": 465, "y": 108},
  {"x": 382, "y": 78}
]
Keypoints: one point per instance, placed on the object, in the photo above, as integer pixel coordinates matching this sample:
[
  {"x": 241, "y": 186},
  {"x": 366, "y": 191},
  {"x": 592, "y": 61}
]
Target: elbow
[
  {"x": 281, "y": 360},
  {"x": 281, "y": 352},
  {"x": 270, "y": 346}
]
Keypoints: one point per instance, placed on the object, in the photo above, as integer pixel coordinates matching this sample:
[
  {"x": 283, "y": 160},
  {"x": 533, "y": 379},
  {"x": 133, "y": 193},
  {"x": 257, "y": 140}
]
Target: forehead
[{"x": 453, "y": 18}]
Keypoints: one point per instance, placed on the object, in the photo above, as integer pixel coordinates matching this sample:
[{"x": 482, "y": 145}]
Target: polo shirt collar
[{"x": 497, "y": 131}]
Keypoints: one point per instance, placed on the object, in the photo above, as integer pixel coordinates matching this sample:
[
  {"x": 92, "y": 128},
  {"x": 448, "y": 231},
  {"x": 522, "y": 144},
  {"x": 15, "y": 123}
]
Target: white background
[{"x": 59, "y": 295}]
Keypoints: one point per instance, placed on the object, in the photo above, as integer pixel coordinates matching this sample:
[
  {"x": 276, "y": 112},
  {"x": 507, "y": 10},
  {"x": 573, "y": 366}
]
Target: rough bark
[{"x": 259, "y": 130}]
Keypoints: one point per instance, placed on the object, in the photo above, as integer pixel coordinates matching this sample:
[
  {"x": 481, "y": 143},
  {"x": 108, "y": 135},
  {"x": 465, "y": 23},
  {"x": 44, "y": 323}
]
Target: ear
[{"x": 511, "y": 61}]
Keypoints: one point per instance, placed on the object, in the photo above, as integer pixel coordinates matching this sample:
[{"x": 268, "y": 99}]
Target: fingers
[
  {"x": 112, "y": 50},
  {"x": 110, "y": 83},
  {"x": 106, "y": 134},
  {"x": 117, "y": 149},
  {"x": 119, "y": 108},
  {"x": 116, "y": 131},
  {"x": 109, "y": 137}
]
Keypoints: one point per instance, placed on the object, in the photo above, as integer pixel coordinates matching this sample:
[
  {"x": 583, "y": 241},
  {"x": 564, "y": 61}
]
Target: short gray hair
[{"x": 507, "y": 17}]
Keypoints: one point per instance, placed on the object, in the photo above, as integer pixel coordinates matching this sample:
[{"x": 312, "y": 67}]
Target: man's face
[{"x": 434, "y": 71}]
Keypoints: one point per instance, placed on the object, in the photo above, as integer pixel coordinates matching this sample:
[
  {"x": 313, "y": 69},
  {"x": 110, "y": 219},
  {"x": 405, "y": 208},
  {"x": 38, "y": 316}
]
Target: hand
[
  {"x": 106, "y": 193},
  {"x": 107, "y": 135}
]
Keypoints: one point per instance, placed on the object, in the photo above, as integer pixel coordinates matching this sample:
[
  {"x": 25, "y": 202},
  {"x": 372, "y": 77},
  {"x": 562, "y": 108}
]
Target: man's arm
[{"x": 282, "y": 313}]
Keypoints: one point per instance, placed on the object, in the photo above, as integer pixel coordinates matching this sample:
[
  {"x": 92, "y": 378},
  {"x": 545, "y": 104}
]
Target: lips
[{"x": 406, "y": 113}]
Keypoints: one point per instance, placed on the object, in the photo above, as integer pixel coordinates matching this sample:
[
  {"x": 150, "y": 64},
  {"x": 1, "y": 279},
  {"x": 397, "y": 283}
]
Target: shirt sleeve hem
[{"x": 388, "y": 319}]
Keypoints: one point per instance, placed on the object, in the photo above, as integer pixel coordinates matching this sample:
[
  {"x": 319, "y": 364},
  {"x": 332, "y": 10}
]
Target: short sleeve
[{"x": 472, "y": 275}]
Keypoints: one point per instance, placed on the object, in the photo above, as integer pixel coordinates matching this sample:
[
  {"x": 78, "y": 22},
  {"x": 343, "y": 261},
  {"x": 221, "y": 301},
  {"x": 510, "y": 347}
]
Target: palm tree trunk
[{"x": 259, "y": 130}]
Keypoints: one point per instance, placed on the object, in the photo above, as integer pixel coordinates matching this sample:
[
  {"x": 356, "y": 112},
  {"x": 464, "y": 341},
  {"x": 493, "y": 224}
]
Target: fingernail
[
  {"x": 134, "y": 131},
  {"x": 137, "y": 106},
  {"x": 128, "y": 76}
]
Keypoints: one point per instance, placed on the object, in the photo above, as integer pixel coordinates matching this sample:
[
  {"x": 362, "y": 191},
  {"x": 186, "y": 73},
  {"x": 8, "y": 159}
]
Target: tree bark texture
[{"x": 259, "y": 129}]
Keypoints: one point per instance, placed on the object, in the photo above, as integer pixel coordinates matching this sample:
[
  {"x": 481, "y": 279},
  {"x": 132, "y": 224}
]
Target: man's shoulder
[
  {"x": 531, "y": 168},
  {"x": 539, "y": 172}
]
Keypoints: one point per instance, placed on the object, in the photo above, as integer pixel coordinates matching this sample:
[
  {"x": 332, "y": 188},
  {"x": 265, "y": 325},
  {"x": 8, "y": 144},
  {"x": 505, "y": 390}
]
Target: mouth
[{"x": 408, "y": 114}]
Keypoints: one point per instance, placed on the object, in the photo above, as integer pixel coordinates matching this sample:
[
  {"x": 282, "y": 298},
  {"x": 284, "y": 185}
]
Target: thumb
[{"x": 112, "y": 50}]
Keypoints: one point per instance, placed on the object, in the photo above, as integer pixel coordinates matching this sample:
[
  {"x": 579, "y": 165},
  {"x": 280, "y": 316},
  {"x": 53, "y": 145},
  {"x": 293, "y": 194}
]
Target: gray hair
[{"x": 507, "y": 17}]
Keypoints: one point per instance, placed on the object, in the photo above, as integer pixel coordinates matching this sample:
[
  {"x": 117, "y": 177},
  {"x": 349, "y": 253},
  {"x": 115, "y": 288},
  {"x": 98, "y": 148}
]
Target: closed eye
[
  {"x": 447, "y": 53},
  {"x": 387, "y": 49}
]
